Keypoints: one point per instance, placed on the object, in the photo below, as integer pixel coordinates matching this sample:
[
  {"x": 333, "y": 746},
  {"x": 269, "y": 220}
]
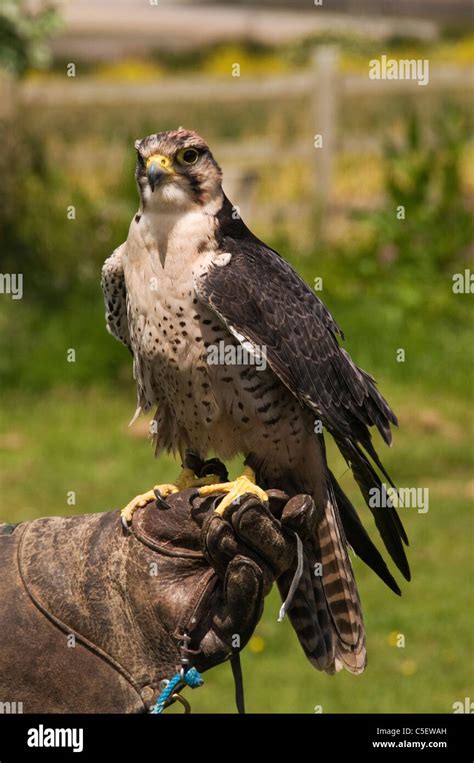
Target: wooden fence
[{"x": 323, "y": 84}]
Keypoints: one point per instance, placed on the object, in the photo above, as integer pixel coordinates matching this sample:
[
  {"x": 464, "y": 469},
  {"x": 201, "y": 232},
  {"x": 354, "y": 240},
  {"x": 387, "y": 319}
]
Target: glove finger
[
  {"x": 261, "y": 533},
  {"x": 277, "y": 501},
  {"x": 300, "y": 515},
  {"x": 219, "y": 543},
  {"x": 244, "y": 590},
  {"x": 251, "y": 530}
]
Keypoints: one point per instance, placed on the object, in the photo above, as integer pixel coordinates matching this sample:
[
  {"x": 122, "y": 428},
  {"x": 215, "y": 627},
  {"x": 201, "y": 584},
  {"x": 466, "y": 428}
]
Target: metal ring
[{"x": 178, "y": 698}]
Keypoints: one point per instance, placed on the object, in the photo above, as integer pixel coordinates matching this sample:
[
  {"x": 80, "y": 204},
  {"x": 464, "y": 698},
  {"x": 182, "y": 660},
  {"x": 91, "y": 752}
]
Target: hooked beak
[{"x": 157, "y": 167}]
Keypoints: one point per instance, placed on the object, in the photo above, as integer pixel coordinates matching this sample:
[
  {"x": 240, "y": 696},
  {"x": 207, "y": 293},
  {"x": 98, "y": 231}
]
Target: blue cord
[{"x": 191, "y": 678}]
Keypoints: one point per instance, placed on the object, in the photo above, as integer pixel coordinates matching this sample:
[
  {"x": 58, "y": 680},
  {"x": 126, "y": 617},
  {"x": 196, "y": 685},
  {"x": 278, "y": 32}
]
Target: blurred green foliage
[
  {"x": 259, "y": 57},
  {"x": 422, "y": 233},
  {"x": 423, "y": 177},
  {"x": 24, "y": 34}
]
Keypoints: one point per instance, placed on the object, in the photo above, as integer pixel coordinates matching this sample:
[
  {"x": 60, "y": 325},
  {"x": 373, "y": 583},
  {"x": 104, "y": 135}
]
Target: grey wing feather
[{"x": 115, "y": 297}]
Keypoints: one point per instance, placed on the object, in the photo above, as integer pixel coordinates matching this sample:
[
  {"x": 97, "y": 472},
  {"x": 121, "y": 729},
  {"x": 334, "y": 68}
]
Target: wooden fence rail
[{"x": 323, "y": 84}]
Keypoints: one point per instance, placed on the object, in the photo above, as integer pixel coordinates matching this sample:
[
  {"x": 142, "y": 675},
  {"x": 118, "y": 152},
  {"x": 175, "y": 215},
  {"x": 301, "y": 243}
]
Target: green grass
[{"x": 78, "y": 440}]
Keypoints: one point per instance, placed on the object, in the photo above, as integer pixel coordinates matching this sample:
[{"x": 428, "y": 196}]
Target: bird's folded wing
[
  {"x": 265, "y": 303},
  {"x": 115, "y": 297}
]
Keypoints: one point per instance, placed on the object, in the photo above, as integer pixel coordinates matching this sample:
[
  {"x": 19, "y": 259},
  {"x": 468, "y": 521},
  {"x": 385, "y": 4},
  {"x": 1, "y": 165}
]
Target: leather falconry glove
[{"x": 104, "y": 617}]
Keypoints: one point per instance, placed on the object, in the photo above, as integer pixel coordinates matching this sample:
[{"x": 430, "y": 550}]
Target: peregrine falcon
[{"x": 191, "y": 278}]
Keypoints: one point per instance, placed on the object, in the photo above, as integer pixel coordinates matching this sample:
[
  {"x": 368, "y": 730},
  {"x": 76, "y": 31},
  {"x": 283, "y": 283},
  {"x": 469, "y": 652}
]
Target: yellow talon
[
  {"x": 186, "y": 479},
  {"x": 235, "y": 490},
  {"x": 141, "y": 500}
]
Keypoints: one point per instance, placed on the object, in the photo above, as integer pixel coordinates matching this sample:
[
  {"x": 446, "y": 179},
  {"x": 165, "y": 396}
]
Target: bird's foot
[
  {"x": 186, "y": 479},
  {"x": 159, "y": 491},
  {"x": 235, "y": 489}
]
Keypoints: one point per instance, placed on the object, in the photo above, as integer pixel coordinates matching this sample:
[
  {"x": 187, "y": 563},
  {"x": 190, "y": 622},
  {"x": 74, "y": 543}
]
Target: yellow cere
[{"x": 164, "y": 162}]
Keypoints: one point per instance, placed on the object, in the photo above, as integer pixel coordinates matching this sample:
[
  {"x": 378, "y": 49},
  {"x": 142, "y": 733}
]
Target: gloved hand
[
  {"x": 124, "y": 610},
  {"x": 248, "y": 548},
  {"x": 211, "y": 590}
]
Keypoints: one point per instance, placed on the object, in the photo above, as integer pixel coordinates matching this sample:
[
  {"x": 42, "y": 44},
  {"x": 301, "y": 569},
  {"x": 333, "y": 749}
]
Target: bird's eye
[{"x": 188, "y": 156}]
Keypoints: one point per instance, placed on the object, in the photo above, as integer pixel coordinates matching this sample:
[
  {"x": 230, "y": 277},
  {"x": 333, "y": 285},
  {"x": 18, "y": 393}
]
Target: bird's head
[{"x": 176, "y": 168}]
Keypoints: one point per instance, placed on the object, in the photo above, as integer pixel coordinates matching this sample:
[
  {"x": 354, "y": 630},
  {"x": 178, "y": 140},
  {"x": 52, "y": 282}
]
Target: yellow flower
[
  {"x": 256, "y": 644},
  {"x": 408, "y": 667},
  {"x": 392, "y": 638}
]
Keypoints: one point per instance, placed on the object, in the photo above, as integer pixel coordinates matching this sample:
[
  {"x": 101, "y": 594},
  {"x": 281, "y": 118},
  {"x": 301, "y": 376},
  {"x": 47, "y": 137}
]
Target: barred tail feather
[
  {"x": 326, "y": 611},
  {"x": 340, "y": 591}
]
